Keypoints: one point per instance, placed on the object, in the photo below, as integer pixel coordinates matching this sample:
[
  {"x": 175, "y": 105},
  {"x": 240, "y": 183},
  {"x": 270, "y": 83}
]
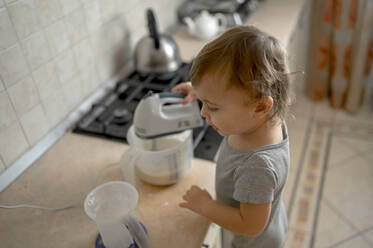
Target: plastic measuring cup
[{"x": 111, "y": 205}]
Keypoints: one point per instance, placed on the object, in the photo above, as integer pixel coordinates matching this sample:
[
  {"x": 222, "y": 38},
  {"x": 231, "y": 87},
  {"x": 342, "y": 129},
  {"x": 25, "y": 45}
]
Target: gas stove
[{"x": 111, "y": 116}]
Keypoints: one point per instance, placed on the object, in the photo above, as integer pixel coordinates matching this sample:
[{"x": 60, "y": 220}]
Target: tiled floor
[{"x": 329, "y": 194}]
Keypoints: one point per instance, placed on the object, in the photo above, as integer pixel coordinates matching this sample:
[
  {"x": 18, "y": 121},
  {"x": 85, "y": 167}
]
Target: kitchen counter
[{"x": 67, "y": 171}]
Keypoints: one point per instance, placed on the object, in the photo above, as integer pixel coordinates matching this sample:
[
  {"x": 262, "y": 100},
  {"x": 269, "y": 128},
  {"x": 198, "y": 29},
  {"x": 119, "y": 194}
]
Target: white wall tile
[
  {"x": 13, "y": 66},
  {"x": 24, "y": 17},
  {"x": 7, "y": 114},
  {"x": 115, "y": 33},
  {"x": 2, "y": 86},
  {"x": 98, "y": 42},
  {"x": 13, "y": 143},
  {"x": 106, "y": 66},
  {"x": 7, "y": 34},
  {"x": 93, "y": 16},
  {"x": 49, "y": 11},
  {"x": 46, "y": 80},
  {"x": 2, "y": 166},
  {"x": 76, "y": 26},
  {"x": 140, "y": 29},
  {"x": 57, "y": 37},
  {"x": 83, "y": 53},
  {"x": 73, "y": 92},
  {"x": 35, "y": 124},
  {"x": 66, "y": 66},
  {"x": 24, "y": 95},
  {"x": 36, "y": 50},
  {"x": 87, "y": 2},
  {"x": 9, "y": 1},
  {"x": 69, "y": 6},
  {"x": 55, "y": 107},
  {"x": 108, "y": 10},
  {"x": 90, "y": 79},
  {"x": 128, "y": 5}
]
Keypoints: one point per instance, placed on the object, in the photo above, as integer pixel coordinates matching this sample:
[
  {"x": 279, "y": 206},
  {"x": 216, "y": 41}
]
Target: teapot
[{"x": 206, "y": 25}]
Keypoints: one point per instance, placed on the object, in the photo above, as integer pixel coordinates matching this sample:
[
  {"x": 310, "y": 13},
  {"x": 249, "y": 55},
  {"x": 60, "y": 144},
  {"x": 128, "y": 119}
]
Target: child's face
[{"x": 227, "y": 111}]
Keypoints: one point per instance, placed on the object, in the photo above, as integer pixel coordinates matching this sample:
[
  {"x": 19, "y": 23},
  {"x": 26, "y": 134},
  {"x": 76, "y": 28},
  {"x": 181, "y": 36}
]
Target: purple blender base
[{"x": 100, "y": 244}]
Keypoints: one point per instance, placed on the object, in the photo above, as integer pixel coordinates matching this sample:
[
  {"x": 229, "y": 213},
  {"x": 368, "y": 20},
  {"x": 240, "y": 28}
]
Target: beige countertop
[{"x": 66, "y": 172}]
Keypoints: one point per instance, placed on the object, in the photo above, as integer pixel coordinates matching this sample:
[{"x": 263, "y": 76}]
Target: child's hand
[
  {"x": 185, "y": 89},
  {"x": 196, "y": 199}
]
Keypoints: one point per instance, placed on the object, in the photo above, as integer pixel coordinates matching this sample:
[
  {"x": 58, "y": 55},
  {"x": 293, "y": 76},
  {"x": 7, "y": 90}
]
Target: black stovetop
[{"x": 111, "y": 116}]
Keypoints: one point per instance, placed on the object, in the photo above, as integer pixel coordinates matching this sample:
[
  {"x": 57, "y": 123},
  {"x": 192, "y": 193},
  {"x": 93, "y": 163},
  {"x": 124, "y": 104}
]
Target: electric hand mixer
[
  {"x": 160, "y": 139},
  {"x": 163, "y": 114}
]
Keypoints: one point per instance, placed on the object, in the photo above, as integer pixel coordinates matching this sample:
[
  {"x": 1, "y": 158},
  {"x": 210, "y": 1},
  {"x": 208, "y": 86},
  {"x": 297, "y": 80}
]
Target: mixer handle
[{"x": 171, "y": 94}]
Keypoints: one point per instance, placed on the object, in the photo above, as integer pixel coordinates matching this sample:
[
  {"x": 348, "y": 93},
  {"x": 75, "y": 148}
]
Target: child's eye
[{"x": 212, "y": 109}]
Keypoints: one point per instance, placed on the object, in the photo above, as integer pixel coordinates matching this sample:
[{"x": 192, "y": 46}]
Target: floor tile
[
  {"x": 323, "y": 112},
  {"x": 368, "y": 156},
  {"x": 331, "y": 228},
  {"x": 364, "y": 115},
  {"x": 289, "y": 187},
  {"x": 349, "y": 189},
  {"x": 369, "y": 236},
  {"x": 340, "y": 151},
  {"x": 297, "y": 239},
  {"x": 357, "y": 242},
  {"x": 297, "y": 140},
  {"x": 300, "y": 111},
  {"x": 360, "y": 145}
]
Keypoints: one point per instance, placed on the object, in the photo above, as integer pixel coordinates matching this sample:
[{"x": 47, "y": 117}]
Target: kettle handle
[
  {"x": 153, "y": 30},
  {"x": 222, "y": 20},
  {"x": 137, "y": 231}
]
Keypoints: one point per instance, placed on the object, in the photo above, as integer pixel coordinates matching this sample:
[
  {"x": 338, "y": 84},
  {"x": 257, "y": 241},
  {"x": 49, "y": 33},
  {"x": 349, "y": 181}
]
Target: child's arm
[{"x": 249, "y": 219}]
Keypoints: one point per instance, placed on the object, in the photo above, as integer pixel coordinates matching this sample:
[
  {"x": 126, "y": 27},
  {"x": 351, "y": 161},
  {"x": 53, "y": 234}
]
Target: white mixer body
[{"x": 163, "y": 113}]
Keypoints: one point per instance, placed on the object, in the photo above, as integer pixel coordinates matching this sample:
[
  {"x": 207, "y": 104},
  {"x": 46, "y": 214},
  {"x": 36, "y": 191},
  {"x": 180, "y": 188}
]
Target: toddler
[{"x": 242, "y": 81}]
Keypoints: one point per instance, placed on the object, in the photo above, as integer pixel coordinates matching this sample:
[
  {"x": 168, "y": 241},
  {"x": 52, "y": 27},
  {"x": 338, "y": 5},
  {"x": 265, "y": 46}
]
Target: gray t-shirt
[{"x": 256, "y": 176}]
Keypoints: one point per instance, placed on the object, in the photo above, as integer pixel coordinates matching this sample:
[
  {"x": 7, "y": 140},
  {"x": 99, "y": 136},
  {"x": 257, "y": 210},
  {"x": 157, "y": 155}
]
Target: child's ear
[{"x": 264, "y": 105}]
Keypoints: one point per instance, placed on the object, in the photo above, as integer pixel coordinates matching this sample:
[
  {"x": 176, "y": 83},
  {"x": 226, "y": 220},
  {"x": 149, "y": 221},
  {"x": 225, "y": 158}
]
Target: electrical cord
[{"x": 71, "y": 205}]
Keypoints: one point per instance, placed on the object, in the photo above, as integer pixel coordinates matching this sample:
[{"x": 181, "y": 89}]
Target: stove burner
[{"x": 122, "y": 115}]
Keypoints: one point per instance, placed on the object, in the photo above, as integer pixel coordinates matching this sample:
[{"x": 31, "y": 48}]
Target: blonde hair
[{"x": 252, "y": 60}]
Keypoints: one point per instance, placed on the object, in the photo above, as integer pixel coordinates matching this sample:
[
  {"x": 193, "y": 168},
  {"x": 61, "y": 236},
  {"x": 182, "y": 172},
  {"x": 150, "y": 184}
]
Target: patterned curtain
[{"x": 340, "y": 52}]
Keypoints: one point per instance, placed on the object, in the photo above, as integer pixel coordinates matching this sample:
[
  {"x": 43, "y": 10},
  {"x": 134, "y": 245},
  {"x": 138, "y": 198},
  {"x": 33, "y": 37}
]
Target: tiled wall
[{"x": 55, "y": 53}]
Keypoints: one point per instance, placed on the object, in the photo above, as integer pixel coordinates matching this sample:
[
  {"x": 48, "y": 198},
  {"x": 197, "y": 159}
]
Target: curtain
[{"x": 340, "y": 52}]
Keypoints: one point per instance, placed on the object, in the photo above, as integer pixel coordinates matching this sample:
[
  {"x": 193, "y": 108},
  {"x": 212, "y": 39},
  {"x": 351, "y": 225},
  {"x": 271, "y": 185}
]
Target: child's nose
[{"x": 204, "y": 112}]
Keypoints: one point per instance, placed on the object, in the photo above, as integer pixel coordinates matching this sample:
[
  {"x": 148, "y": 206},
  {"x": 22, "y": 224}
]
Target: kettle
[
  {"x": 156, "y": 53},
  {"x": 206, "y": 25}
]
